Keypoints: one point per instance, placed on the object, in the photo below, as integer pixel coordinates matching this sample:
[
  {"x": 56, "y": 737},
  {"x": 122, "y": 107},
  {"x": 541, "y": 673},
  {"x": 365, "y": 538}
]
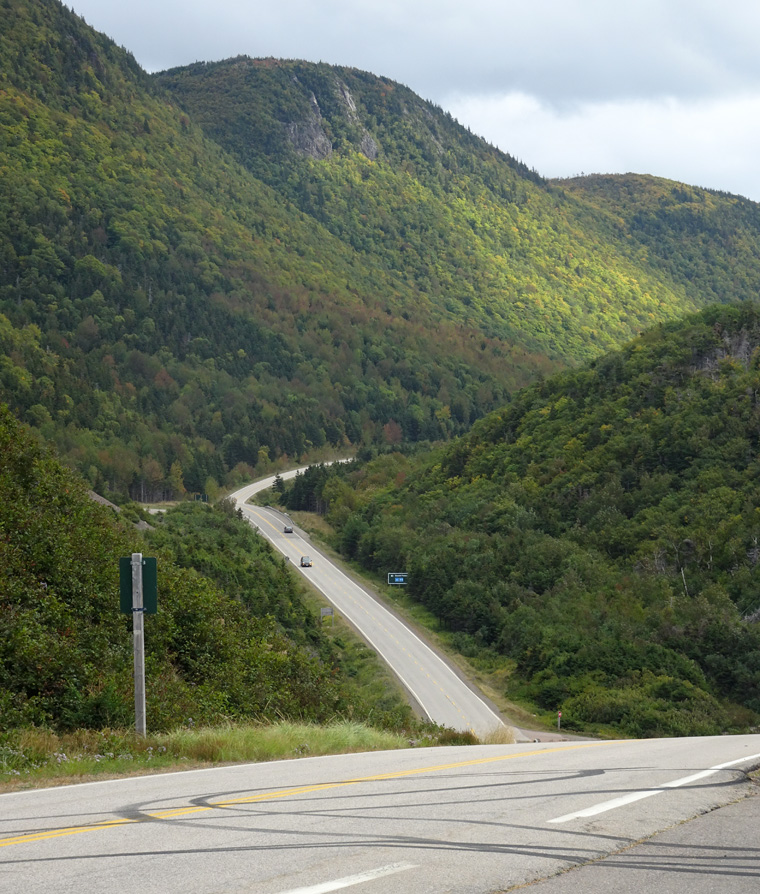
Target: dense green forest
[
  {"x": 161, "y": 308},
  {"x": 231, "y": 641},
  {"x": 475, "y": 234},
  {"x": 212, "y": 269},
  {"x": 599, "y": 537},
  {"x": 705, "y": 240}
]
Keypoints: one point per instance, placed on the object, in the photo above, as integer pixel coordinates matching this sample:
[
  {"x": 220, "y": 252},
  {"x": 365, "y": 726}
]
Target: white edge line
[
  {"x": 638, "y": 796},
  {"x": 741, "y": 760},
  {"x": 374, "y": 645},
  {"x": 607, "y": 805},
  {"x": 408, "y": 629},
  {"x": 350, "y": 880},
  {"x": 356, "y": 623},
  {"x": 168, "y": 774}
]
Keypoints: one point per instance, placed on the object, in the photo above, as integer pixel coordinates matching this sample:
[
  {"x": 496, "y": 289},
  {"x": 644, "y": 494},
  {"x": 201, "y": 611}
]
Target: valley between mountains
[{"x": 548, "y": 391}]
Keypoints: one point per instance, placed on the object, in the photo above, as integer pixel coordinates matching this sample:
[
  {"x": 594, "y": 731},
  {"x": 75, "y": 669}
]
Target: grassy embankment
[{"x": 35, "y": 758}]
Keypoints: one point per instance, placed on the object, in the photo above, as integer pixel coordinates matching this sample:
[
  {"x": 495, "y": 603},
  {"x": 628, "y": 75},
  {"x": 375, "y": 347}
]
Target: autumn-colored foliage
[{"x": 220, "y": 266}]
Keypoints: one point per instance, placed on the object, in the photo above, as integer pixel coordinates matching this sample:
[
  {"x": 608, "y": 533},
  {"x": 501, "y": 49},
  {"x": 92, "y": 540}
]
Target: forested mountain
[
  {"x": 476, "y": 235},
  {"x": 204, "y": 270},
  {"x": 161, "y": 307},
  {"x": 599, "y": 538},
  {"x": 705, "y": 240}
]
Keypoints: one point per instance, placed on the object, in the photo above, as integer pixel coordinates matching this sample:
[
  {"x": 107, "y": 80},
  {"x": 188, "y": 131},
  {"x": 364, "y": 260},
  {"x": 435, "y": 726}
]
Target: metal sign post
[
  {"x": 138, "y": 629},
  {"x": 138, "y": 579}
]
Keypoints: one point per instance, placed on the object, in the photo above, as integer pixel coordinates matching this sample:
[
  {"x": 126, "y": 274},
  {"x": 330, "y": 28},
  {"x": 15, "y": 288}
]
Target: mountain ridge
[{"x": 180, "y": 307}]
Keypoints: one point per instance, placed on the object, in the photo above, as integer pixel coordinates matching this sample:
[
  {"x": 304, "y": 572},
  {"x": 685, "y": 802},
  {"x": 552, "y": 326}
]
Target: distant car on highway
[
  {"x": 288, "y": 529},
  {"x": 305, "y": 562}
]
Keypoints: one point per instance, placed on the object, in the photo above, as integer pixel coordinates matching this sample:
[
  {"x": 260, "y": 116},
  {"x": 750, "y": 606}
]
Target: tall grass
[
  {"x": 235, "y": 744},
  {"x": 35, "y": 757},
  {"x": 499, "y": 735}
]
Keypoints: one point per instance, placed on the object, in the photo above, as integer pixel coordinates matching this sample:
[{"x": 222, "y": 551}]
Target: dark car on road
[{"x": 305, "y": 562}]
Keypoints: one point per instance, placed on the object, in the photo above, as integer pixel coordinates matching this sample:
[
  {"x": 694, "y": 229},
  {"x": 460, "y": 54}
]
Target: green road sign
[{"x": 150, "y": 585}]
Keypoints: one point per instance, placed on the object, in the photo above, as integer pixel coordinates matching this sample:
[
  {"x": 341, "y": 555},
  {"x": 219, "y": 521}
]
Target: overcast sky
[{"x": 665, "y": 87}]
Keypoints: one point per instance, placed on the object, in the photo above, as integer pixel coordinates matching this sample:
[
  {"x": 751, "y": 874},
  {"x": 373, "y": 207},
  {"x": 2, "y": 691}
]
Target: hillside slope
[
  {"x": 162, "y": 306},
  {"x": 209, "y": 269},
  {"x": 703, "y": 239},
  {"x": 598, "y": 538},
  {"x": 240, "y": 648},
  {"x": 480, "y": 237}
]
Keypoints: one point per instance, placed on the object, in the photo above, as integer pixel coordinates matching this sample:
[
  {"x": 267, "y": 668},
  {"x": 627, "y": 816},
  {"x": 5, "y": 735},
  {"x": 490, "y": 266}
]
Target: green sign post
[
  {"x": 138, "y": 579},
  {"x": 149, "y": 583}
]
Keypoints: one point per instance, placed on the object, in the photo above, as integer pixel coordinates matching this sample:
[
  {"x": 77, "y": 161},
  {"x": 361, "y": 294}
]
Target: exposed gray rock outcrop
[
  {"x": 308, "y": 136},
  {"x": 369, "y": 147}
]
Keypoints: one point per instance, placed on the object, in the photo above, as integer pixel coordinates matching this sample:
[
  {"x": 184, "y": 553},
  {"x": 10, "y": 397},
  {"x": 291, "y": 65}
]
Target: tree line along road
[{"x": 434, "y": 687}]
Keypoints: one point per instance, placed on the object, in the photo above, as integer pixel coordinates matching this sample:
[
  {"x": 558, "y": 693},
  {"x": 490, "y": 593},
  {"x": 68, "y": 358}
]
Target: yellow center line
[
  {"x": 171, "y": 813},
  {"x": 61, "y": 833},
  {"x": 262, "y": 518}
]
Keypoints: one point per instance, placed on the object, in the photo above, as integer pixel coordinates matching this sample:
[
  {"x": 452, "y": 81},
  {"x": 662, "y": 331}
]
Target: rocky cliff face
[{"x": 309, "y": 137}]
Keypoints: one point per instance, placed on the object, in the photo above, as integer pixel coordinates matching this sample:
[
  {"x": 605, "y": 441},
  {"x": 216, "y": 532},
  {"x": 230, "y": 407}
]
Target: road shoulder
[{"x": 716, "y": 851}]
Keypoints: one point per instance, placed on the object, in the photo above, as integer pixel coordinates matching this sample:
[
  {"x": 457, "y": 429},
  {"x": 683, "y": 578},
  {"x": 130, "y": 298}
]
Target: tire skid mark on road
[
  {"x": 632, "y": 797},
  {"x": 171, "y": 813}
]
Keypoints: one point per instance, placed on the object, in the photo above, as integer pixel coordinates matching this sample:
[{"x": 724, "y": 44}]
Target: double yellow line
[{"x": 31, "y": 837}]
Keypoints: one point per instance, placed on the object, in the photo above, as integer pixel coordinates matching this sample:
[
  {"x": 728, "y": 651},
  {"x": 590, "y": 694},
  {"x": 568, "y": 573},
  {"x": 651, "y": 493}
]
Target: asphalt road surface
[
  {"x": 471, "y": 820},
  {"x": 434, "y": 686}
]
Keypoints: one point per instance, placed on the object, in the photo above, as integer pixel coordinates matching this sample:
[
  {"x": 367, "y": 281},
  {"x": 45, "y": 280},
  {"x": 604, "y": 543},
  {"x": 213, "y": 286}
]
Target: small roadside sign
[
  {"x": 327, "y": 613},
  {"x": 149, "y": 581},
  {"x": 398, "y": 578}
]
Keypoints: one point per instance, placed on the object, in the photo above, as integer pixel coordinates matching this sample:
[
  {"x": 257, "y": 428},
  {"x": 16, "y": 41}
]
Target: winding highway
[
  {"x": 581, "y": 817},
  {"x": 435, "y": 688}
]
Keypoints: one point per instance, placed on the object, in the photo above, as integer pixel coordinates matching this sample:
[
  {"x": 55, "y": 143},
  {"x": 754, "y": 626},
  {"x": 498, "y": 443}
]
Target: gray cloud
[
  {"x": 598, "y": 73},
  {"x": 557, "y": 51},
  {"x": 710, "y": 143}
]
